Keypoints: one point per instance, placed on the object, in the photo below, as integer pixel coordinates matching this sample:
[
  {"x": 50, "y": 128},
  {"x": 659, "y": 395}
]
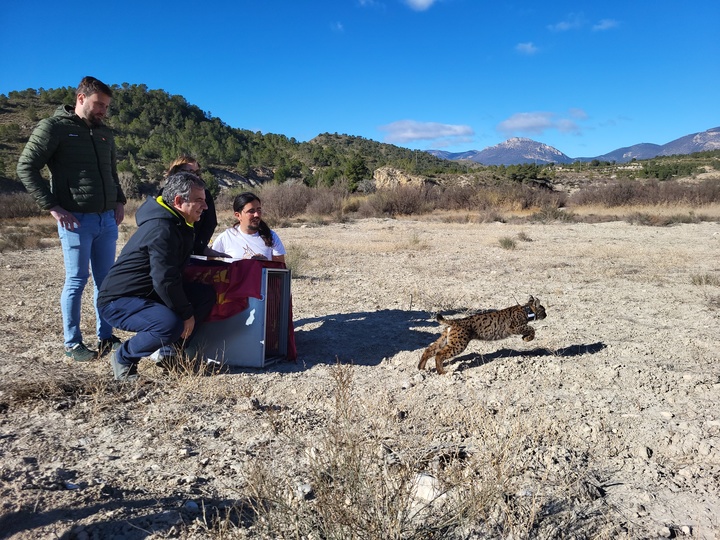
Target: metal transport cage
[{"x": 256, "y": 337}]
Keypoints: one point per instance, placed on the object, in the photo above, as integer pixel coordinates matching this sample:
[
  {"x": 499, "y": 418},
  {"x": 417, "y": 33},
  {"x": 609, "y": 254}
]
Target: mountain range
[{"x": 518, "y": 150}]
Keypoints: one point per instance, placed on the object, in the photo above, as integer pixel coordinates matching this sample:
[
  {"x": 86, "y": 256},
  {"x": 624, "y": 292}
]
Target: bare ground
[{"x": 620, "y": 387}]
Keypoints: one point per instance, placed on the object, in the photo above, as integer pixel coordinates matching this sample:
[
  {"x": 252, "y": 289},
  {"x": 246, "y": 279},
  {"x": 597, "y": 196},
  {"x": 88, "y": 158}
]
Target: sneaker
[
  {"x": 123, "y": 372},
  {"x": 80, "y": 353},
  {"x": 165, "y": 359},
  {"x": 161, "y": 354},
  {"x": 108, "y": 345}
]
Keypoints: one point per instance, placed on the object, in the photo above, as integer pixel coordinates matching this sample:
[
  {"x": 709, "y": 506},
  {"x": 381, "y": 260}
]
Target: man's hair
[
  {"x": 90, "y": 85},
  {"x": 242, "y": 199},
  {"x": 179, "y": 162},
  {"x": 263, "y": 230},
  {"x": 180, "y": 184}
]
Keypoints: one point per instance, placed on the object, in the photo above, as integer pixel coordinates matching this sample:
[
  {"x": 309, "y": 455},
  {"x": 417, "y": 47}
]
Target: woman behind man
[
  {"x": 205, "y": 227},
  {"x": 250, "y": 237}
]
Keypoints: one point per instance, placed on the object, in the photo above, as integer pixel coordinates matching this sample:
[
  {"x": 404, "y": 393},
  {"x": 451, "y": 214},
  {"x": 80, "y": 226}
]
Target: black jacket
[
  {"x": 205, "y": 227},
  {"x": 150, "y": 265},
  {"x": 81, "y": 160}
]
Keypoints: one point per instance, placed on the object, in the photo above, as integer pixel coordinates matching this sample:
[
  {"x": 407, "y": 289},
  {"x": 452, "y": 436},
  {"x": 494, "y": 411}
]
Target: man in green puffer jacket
[{"x": 84, "y": 196}]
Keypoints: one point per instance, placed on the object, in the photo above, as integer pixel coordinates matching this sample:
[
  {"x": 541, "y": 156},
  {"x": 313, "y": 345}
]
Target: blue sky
[{"x": 584, "y": 77}]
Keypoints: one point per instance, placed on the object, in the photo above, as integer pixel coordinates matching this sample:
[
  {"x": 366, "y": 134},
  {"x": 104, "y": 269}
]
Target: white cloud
[
  {"x": 404, "y": 131},
  {"x": 438, "y": 144},
  {"x": 605, "y": 24},
  {"x": 565, "y": 125},
  {"x": 528, "y": 48},
  {"x": 577, "y": 20},
  {"x": 376, "y": 5},
  {"x": 573, "y": 21},
  {"x": 337, "y": 27},
  {"x": 420, "y": 5},
  {"x": 537, "y": 123}
]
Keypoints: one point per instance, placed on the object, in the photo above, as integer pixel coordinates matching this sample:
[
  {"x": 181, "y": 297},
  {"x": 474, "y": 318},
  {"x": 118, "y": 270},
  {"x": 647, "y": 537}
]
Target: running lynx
[{"x": 489, "y": 326}]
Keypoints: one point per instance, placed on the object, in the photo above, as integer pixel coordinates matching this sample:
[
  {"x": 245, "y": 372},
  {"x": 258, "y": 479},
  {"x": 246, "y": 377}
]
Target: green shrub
[
  {"x": 551, "y": 213},
  {"x": 654, "y": 220},
  {"x": 507, "y": 243},
  {"x": 705, "y": 279}
]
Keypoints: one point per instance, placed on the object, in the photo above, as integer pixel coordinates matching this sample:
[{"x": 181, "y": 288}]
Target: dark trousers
[{"x": 155, "y": 324}]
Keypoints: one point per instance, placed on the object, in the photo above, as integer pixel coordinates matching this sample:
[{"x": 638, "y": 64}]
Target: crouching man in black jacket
[{"x": 144, "y": 291}]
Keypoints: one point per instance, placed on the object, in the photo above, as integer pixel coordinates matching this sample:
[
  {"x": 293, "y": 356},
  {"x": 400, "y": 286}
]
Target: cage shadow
[{"x": 363, "y": 338}]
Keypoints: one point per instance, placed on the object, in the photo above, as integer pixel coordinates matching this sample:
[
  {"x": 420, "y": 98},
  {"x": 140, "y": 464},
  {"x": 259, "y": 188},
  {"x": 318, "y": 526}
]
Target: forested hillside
[{"x": 153, "y": 127}]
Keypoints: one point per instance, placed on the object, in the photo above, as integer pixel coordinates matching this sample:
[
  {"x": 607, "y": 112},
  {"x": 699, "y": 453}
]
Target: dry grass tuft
[
  {"x": 296, "y": 258},
  {"x": 507, "y": 243},
  {"x": 551, "y": 213},
  {"x": 523, "y": 237},
  {"x": 705, "y": 279},
  {"x": 456, "y": 217},
  {"x": 413, "y": 242},
  {"x": 713, "y": 300},
  {"x": 661, "y": 220},
  {"x": 507, "y": 478}
]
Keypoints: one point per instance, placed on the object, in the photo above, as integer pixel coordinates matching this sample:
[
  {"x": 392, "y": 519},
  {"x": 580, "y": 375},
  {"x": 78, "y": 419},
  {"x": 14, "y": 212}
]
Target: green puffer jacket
[{"x": 81, "y": 160}]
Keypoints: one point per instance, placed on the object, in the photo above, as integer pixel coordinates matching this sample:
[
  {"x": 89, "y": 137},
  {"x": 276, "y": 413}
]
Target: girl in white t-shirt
[{"x": 250, "y": 237}]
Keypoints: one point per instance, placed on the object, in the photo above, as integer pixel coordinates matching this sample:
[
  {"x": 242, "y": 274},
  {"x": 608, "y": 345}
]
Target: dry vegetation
[
  {"x": 649, "y": 203},
  {"x": 605, "y": 426}
]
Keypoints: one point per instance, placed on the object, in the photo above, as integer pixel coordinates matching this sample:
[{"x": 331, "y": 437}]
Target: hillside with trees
[{"x": 153, "y": 127}]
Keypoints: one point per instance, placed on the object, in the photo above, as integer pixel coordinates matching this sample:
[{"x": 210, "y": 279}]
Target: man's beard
[{"x": 94, "y": 120}]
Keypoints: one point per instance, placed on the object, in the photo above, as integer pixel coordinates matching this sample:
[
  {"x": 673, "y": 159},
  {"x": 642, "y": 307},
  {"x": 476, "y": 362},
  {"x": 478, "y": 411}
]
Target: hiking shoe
[
  {"x": 80, "y": 353},
  {"x": 108, "y": 345},
  {"x": 161, "y": 354},
  {"x": 123, "y": 372}
]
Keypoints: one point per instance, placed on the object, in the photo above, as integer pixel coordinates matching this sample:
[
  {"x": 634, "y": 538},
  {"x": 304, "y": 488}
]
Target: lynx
[{"x": 489, "y": 326}]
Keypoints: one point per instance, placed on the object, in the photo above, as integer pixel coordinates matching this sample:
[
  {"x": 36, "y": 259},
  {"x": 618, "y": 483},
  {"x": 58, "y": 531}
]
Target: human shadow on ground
[
  {"x": 140, "y": 516},
  {"x": 363, "y": 338},
  {"x": 473, "y": 360}
]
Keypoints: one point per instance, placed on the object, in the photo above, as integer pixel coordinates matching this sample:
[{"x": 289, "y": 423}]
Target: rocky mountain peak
[{"x": 518, "y": 150}]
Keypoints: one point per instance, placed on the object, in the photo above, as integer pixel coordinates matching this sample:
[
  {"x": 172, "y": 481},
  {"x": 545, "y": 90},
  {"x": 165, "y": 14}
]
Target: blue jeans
[
  {"x": 155, "y": 324},
  {"x": 90, "y": 246}
]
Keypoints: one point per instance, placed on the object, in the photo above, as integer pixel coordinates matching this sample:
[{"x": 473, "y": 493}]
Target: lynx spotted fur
[{"x": 489, "y": 326}]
